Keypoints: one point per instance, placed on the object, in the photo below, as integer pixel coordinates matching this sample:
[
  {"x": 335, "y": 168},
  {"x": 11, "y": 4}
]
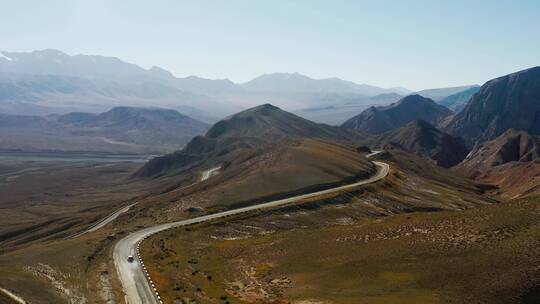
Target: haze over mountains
[
  {"x": 263, "y": 154},
  {"x": 42, "y": 82},
  {"x": 49, "y": 81},
  {"x": 438, "y": 94}
]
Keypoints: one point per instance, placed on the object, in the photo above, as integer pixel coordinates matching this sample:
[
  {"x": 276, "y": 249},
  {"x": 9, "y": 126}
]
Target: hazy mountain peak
[{"x": 160, "y": 72}]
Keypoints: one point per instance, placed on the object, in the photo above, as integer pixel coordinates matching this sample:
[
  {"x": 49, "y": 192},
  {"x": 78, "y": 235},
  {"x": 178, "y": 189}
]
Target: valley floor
[{"x": 422, "y": 235}]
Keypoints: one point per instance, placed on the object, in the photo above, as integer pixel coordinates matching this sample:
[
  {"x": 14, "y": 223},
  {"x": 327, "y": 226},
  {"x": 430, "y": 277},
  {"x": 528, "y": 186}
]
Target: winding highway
[
  {"x": 104, "y": 221},
  {"x": 136, "y": 287}
]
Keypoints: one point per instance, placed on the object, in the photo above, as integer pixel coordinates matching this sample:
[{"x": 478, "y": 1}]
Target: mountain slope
[
  {"x": 510, "y": 161},
  {"x": 421, "y": 138},
  {"x": 511, "y": 101},
  {"x": 376, "y": 120},
  {"x": 511, "y": 146},
  {"x": 255, "y": 127}
]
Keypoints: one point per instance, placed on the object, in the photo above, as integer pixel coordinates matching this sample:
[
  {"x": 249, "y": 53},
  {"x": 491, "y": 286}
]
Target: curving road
[
  {"x": 105, "y": 221},
  {"x": 102, "y": 223},
  {"x": 137, "y": 289}
]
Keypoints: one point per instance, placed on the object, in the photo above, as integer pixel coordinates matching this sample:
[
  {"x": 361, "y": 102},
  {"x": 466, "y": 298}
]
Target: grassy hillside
[{"x": 270, "y": 172}]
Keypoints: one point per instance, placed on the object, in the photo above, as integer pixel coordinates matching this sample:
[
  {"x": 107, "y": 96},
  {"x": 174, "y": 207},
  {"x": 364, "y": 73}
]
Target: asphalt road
[
  {"x": 205, "y": 175},
  {"x": 137, "y": 289},
  {"x": 13, "y": 296},
  {"x": 104, "y": 221},
  {"x": 208, "y": 173}
]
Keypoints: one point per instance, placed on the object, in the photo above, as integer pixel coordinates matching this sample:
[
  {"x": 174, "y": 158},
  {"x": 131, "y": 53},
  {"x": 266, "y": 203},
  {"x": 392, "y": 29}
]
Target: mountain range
[
  {"x": 438, "y": 94},
  {"x": 52, "y": 82}
]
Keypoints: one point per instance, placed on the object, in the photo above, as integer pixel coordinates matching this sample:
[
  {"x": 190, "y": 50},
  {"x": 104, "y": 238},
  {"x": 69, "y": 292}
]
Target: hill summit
[{"x": 254, "y": 127}]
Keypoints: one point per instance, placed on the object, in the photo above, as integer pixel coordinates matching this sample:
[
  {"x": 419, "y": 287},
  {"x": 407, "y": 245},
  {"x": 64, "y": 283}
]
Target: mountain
[
  {"x": 511, "y": 146},
  {"x": 120, "y": 130},
  {"x": 511, "y": 162},
  {"x": 456, "y": 102},
  {"x": 439, "y": 94},
  {"x": 255, "y": 127},
  {"x": 295, "y": 83},
  {"x": 508, "y": 102},
  {"x": 421, "y": 138},
  {"x": 50, "y": 81},
  {"x": 93, "y": 67},
  {"x": 376, "y": 120}
]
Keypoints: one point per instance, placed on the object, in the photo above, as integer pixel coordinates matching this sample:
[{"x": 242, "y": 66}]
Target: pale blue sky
[{"x": 415, "y": 44}]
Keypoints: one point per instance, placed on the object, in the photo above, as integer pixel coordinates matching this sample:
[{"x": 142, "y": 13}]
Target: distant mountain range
[
  {"x": 297, "y": 83},
  {"x": 120, "y": 130},
  {"x": 78, "y": 87},
  {"x": 49, "y": 81},
  {"x": 439, "y": 94}
]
